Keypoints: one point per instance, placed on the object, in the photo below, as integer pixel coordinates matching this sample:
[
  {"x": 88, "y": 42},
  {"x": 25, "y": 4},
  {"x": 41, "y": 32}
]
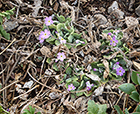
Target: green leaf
[
  {"x": 127, "y": 88},
  {"x": 92, "y": 107},
  {"x": 118, "y": 109},
  {"x": 61, "y": 18},
  {"x": 38, "y": 112},
  {"x": 70, "y": 38},
  {"x": 102, "y": 109},
  {"x": 75, "y": 83},
  {"x": 50, "y": 39},
  {"x": 68, "y": 46},
  {"x": 4, "y": 33},
  {"x": 68, "y": 80},
  {"x": 57, "y": 43},
  {"x": 1, "y": 19},
  {"x": 135, "y": 96},
  {"x": 68, "y": 70},
  {"x": 55, "y": 67},
  {"x": 135, "y": 78},
  {"x": 59, "y": 27},
  {"x": 138, "y": 108},
  {"x": 126, "y": 111},
  {"x": 27, "y": 111},
  {"x": 48, "y": 60}
]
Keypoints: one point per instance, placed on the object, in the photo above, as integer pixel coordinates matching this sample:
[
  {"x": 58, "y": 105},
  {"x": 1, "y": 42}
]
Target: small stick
[
  {"x": 8, "y": 46},
  {"x": 26, "y": 92}
]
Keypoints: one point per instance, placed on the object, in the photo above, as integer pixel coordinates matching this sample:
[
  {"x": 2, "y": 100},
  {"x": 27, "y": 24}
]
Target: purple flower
[
  {"x": 110, "y": 33},
  {"x": 120, "y": 71},
  {"x": 45, "y": 34},
  {"x": 113, "y": 41},
  {"x": 89, "y": 86},
  {"x": 116, "y": 31},
  {"x": 48, "y": 21},
  {"x": 94, "y": 69},
  {"x": 78, "y": 41},
  {"x": 41, "y": 39},
  {"x": 62, "y": 40},
  {"x": 71, "y": 87},
  {"x": 61, "y": 56},
  {"x": 117, "y": 63},
  {"x": 8, "y": 109}
]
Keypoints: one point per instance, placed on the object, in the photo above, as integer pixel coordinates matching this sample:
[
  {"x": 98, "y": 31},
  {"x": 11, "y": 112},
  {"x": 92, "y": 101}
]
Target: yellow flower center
[
  {"x": 49, "y": 21},
  {"x": 113, "y": 41},
  {"x": 41, "y": 38},
  {"x": 45, "y": 34},
  {"x": 120, "y": 71},
  {"x": 62, "y": 39},
  {"x": 61, "y": 56}
]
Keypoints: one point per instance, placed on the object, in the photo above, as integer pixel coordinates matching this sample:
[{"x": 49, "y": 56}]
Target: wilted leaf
[
  {"x": 136, "y": 65},
  {"x": 106, "y": 64},
  {"x": 93, "y": 77},
  {"x": 28, "y": 84},
  {"x": 99, "y": 90},
  {"x": 46, "y": 51}
]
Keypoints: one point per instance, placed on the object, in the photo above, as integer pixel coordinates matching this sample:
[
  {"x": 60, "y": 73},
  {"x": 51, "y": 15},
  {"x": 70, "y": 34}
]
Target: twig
[
  {"x": 43, "y": 84},
  {"x": 26, "y": 92},
  {"x": 9, "y": 85},
  {"x": 8, "y": 46}
]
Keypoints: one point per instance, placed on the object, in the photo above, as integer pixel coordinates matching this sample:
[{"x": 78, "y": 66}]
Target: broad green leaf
[
  {"x": 27, "y": 111},
  {"x": 135, "y": 96},
  {"x": 92, "y": 107},
  {"x": 79, "y": 93},
  {"x": 135, "y": 77},
  {"x": 102, "y": 109},
  {"x": 118, "y": 109},
  {"x": 50, "y": 39},
  {"x": 138, "y": 108},
  {"x": 127, "y": 88},
  {"x": 68, "y": 70}
]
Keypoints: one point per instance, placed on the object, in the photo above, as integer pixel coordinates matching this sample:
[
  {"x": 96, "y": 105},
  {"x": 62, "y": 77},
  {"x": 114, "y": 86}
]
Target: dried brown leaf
[
  {"x": 78, "y": 102},
  {"x": 46, "y": 51},
  {"x": 131, "y": 21},
  {"x": 93, "y": 77},
  {"x": 112, "y": 56},
  {"x": 106, "y": 64},
  {"x": 136, "y": 65}
]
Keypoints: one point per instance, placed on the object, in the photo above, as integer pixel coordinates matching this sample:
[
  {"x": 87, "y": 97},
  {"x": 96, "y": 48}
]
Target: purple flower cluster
[
  {"x": 71, "y": 87},
  {"x": 113, "y": 41},
  {"x": 45, "y": 34},
  {"x": 89, "y": 86}
]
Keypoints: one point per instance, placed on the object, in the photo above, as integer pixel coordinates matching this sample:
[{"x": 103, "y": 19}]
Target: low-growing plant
[
  {"x": 130, "y": 88},
  {"x": 126, "y": 111},
  {"x": 59, "y": 30},
  {"x": 30, "y": 111},
  {"x": 94, "y": 108},
  {"x": 7, "y": 15},
  {"x": 2, "y": 111}
]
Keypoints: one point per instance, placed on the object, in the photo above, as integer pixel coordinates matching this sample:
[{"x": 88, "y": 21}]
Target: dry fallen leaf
[
  {"x": 131, "y": 21},
  {"x": 99, "y": 90},
  {"x": 106, "y": 64},
  {"x": 136, "y": 65},
  {"x": 93, "y": 77},
  {"x": 45, "y": 51},
  {"x": 78, "y": 102}
]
